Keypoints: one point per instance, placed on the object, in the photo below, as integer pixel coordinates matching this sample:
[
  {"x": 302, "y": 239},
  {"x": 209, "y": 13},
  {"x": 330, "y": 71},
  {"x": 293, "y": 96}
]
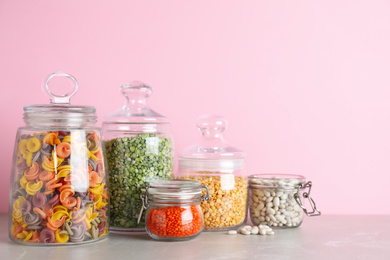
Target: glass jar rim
[
  {"x": 211, "y": 164},
  {"x": 275, "y": 180},
  {"x": 174, "y": 186},
  {"x": 59, "y": 115},
  {"x": 59, "y": 108},
  {"x": 174, "y": 190}
]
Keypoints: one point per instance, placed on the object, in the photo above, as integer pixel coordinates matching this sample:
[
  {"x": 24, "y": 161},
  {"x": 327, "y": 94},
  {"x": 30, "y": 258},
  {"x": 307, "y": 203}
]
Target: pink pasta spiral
[{"x": 47, "y": 236}]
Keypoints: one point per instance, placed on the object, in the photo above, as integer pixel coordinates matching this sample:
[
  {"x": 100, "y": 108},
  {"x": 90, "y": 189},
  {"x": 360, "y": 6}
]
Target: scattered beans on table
[{"x": 253, "y": 230}]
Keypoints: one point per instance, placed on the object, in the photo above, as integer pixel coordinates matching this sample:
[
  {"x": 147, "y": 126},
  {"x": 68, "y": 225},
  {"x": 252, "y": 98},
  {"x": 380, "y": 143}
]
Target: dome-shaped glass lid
[
  {"x": 59, "y": 107},
  {"x": 135, "y": 109},
  {"x": 213, "y": 145}
]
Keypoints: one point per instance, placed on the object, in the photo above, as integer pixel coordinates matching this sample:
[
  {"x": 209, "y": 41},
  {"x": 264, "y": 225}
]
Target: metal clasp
[
  {"x": 145, "y": 204},
  {"x": 306, "y": 195},
  {"x": 207, "y": 196}
]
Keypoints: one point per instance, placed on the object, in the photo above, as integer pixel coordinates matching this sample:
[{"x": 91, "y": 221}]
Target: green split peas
[{"x": 132, "y": 163}]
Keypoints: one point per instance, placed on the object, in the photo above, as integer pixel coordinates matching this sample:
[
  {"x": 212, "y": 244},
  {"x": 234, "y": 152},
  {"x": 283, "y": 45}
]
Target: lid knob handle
[
  {"x": 212, "y": 126},
  {"x": 61, "y": 98},
  {"x": 136, "y": 94}
]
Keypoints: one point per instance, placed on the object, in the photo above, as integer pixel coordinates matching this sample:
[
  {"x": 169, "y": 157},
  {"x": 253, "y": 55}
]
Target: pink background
[{"x": 305, "y": 85}]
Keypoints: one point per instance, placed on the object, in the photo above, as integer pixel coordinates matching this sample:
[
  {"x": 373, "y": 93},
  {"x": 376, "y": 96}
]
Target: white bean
[
  {"x": 247, "y": 227},
  {"x": 276, "y": 201},
  {"x": 261, "y": 205},
  {"x": 295, "y": 220},
  {"x": 271, "y": 211},
  {"x": 246, "y": 232},
  {"x": 232, "y": 232},
  {"x": 281, "y": 219},
  {"x": 276, "y": 207},
  {"x": 255, "y": 230}
]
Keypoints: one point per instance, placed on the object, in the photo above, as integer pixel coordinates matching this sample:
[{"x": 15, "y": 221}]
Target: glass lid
[
  {"x": 59, "y": 110},
  {"x": 135, "y": 109},
  {"x": 275, "y": 180},
  {"x": 213, "y": 145},
  {"x": 174, "y": 188}
]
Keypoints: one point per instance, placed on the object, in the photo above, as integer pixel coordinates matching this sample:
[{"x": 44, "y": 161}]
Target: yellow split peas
[{"x": 227, "y": 206}]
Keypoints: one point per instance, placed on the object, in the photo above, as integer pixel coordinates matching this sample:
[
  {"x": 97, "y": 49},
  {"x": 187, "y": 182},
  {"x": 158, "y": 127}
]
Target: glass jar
[
  {"x": 139, "y": 149},
  {"x": 58, "y": 191},
  {"x": 173, "y": 209},
  {"x": 220, "y": 168},
  {"x": 275, "y": 200}
]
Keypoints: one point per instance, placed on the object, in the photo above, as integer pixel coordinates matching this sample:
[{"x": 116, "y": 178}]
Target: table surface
[{"x": 324, "y": 237}]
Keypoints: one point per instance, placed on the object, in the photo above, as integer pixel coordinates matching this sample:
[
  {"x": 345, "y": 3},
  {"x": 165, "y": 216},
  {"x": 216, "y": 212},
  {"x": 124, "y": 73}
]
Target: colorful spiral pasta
[{"x": 59, "y": 194}]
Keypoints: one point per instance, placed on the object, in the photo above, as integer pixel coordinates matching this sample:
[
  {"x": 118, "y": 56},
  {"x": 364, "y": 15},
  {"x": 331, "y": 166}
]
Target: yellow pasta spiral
[
  {"x": 25, "y": 235},
  {"x": 19, "y": 202},
  {"x": 17, "y": 216},
  {"x": 97, "y": 190},
  {"x": 61, "y": 237},
  {"x": 67, "y": 139},
  {"x": 33, "y": 188},
  {"x": 98, "y": 202},
  {"x": 23, "y": 181},
  {"x": 64, "y": 171},
  {"x": 34, "y": 144}
]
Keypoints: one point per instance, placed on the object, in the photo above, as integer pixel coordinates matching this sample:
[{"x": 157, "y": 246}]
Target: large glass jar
[
  {"x": 58, "y": 189},
  {"x": 220, "y": 167},
  {"x": 173, "y": 209},
  {"x": 276, "y": 200},
  {"x": 139, "y": 149}
]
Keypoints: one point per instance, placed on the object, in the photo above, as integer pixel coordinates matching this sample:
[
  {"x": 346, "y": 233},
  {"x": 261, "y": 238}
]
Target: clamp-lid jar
[
  {"x": 139, "y": 149},
  {"x": 220, "y": 167},
  {"x": 275, "y": 200},
  {"x": 173, "y": 209},
  {"x": 58, "y": 189}
]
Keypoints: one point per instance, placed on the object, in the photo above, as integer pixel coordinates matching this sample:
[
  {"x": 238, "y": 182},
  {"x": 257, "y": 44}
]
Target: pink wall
[{"x": 305, "y": 85}]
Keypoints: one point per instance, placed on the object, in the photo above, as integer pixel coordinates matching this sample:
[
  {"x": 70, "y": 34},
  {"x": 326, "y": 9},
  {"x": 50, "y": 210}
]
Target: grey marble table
[{"x": 324, "y": 237}]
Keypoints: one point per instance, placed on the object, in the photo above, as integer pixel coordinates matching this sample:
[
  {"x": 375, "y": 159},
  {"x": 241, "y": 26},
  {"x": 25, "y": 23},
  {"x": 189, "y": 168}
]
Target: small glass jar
[
  {"x": 220, "y": 167},
  {"x": 58, "y": 192},
  {"x": 275, "y": 200},
  {"x": 173, "y": 210},
  {"x": 139, "y": 148}
]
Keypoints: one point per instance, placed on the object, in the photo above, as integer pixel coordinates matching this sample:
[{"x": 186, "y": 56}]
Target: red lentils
[{"x": 174, "y": 221}]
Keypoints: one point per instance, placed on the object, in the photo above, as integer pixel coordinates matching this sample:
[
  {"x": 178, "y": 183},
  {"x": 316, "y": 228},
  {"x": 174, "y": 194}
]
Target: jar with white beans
[{"x": 275, "y": 200}]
